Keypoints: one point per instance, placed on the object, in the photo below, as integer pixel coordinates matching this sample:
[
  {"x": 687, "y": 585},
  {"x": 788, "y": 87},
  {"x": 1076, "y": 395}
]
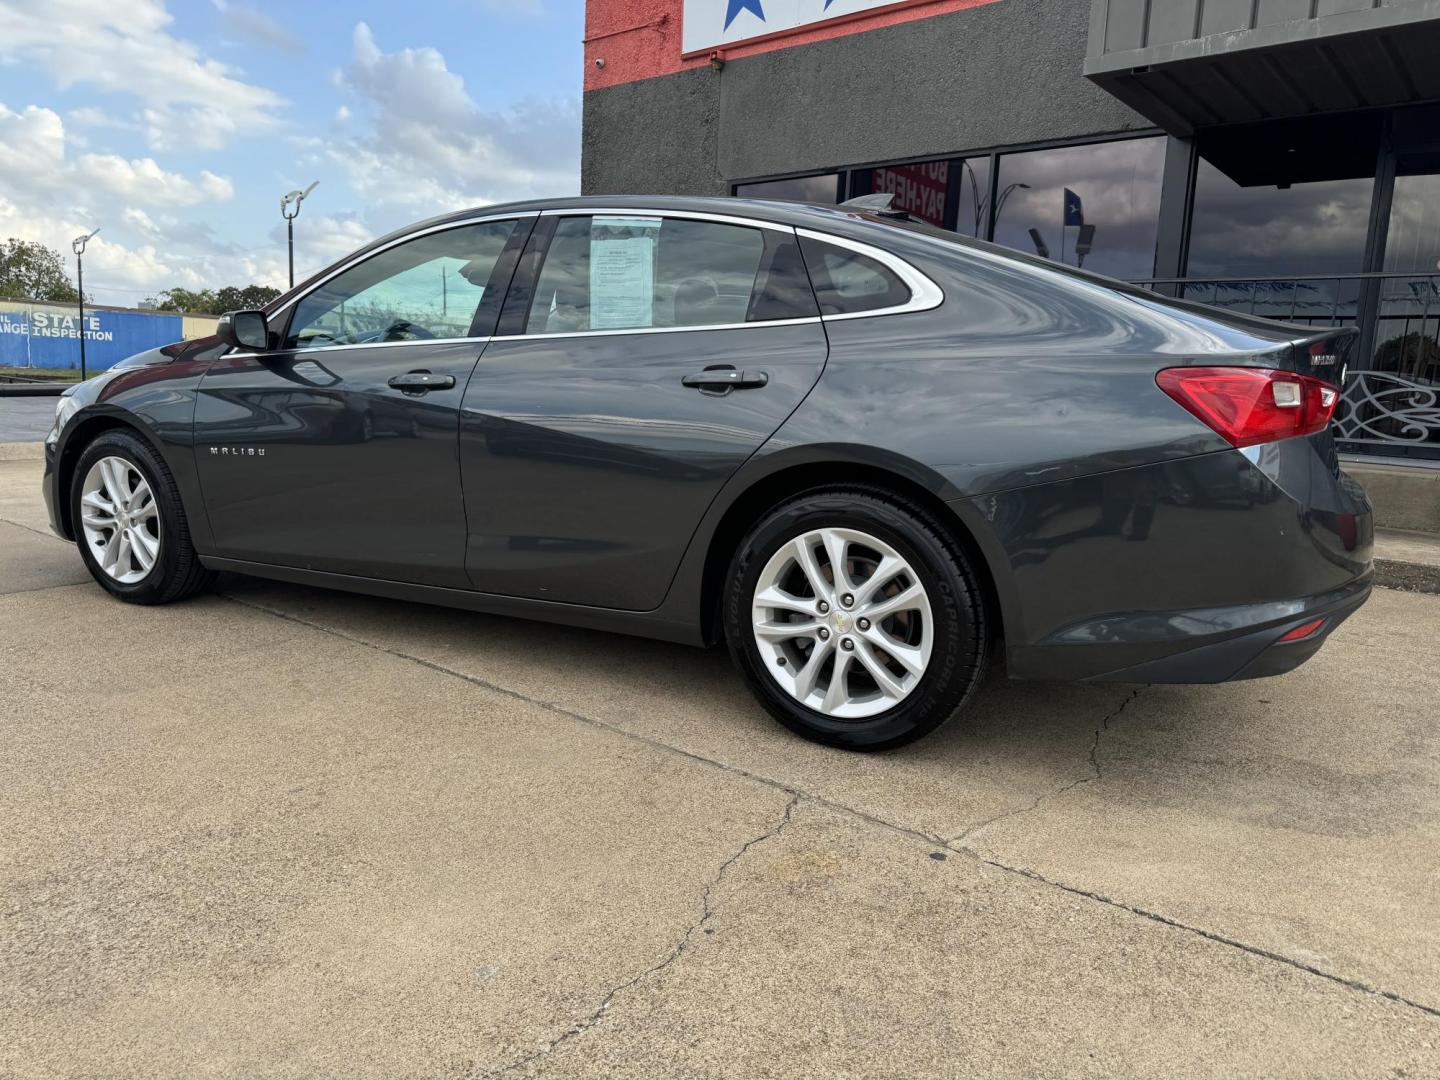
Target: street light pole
[
  {"x": 1000, "y": 202},
  {"x": 294, "y": 199},
  {"x": 78, "y": 246}
]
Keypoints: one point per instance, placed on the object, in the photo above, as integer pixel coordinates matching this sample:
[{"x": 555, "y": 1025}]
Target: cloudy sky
[{"x": 176, "y": 126}]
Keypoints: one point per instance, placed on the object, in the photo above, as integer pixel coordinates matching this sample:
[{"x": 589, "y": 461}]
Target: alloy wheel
[
  {"x": 843, "y": 623},
  {"x": 120, "y": 520}
]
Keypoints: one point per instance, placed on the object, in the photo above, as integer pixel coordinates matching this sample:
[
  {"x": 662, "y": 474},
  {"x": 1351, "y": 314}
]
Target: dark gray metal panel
[
  {"x": 1172, "y": 21},
  {"x": 1270, "y": 12},
  {"x": 1219, "y": 16},
  {"x": 1227, "y": 27},
  {"x": 1125, "y": 25},
  {"x": 1281, "y": 58}
]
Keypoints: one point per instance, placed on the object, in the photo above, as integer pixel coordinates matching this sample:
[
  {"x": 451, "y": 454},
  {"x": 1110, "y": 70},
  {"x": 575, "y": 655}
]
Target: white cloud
[
  {"x": 429, "y": 147},
  {"x": 39, "y": 166},
  {"x": 252, "y": 24},
  {"x": 127, "y": 49},
  {"x": 50, "y": 194}
]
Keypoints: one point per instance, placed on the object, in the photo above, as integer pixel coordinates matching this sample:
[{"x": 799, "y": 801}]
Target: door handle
[
  {"x": 420, "y": 382},
  {"x": 721, "y": 380}
]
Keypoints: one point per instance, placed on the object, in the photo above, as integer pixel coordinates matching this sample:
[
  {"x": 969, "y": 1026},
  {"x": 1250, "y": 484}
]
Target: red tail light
[
  {"x": 1300, "y": 633},
  {"x": 1246, "y": 405}
]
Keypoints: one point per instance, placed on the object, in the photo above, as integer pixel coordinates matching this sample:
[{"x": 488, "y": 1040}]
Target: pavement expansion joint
[
  {"x": 796, "y": 794},
  {"x": 1209, "y": 935}
]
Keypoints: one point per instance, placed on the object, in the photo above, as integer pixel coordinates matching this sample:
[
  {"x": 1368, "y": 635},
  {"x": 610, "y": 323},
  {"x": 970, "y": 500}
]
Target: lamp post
[
  {"x": 78, "y": 246},
  {"x": 294, "y": 199},
  {"x": 1000, "y": 202},
  {"x": 975, "y": 190}
]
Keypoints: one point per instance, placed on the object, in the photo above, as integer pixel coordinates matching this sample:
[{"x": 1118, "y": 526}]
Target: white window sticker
[{"x": 622, "y": 272}]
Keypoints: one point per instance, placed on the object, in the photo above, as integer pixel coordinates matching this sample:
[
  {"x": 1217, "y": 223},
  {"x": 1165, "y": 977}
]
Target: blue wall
[{"x": 46, "y": 338}]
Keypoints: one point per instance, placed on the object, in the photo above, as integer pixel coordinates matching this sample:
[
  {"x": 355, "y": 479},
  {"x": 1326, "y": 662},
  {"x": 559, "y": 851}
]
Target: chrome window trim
[
  {"x": 298, "y": 351},
  {"x": 807, "y": 320},
  {"x": 445, "y": 227},
  {"x": 925, "y": 294}
]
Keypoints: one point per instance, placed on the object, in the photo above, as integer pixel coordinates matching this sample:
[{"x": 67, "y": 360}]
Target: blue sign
[{"x": 43, "y": 338}]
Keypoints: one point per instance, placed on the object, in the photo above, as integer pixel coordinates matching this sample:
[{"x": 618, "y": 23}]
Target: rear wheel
[
  {"x": 855, "y": 618},
  {"x": 129, "y": 523}
]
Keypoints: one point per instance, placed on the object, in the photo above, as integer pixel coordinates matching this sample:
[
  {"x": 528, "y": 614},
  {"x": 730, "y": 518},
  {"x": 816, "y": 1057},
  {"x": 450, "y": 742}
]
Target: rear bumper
[
  {"x": 1254, "y": 653},
  {"x": 1184, "y": 571}
]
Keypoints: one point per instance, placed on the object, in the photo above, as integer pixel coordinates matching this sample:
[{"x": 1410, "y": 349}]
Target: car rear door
[
  {"x": 641, "y": 359},
  {"x": 336, "y": 449}
]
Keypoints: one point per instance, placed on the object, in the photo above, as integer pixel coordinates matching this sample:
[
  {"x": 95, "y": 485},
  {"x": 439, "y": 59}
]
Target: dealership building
[{"x": 1274, "y": 156}]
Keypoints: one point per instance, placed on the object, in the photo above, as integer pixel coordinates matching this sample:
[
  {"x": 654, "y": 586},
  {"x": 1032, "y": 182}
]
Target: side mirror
[{"x": 244, "y": 330}]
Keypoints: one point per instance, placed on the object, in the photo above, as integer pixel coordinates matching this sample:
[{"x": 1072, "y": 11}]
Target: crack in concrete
[
  {"x": 37, "y": 532},
  {"x": 1046, "y": 796},
  {"x": 796, "y": 793},
  {"x": 707, "y": 911}
]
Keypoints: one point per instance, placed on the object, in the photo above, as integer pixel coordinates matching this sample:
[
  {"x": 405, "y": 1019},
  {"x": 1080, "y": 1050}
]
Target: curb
[
  {"x": 37, "y": 389},
  {"x": 22, "y": 451},
  {"x": 1407, "y": 576}
]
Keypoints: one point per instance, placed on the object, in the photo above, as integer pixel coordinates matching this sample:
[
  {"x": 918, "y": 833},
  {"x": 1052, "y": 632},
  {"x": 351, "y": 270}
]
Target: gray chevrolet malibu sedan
[{"x": 867, "y": 456}]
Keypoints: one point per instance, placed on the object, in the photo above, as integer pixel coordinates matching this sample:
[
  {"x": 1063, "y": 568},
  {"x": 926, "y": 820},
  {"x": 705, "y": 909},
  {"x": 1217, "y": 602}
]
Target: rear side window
[
  {"x": 848, "y": 283},
  {"x": 634, "y": 273}
]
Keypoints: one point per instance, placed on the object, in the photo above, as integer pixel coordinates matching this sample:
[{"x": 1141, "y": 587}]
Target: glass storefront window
[
  {"x": 823, "y": 189},
  {"x": 1112, "y": 190},
  {"x": 943, "y": 193},
  {"x": 1407, "y": 331},
  {"x": 1308, "y": 228},
  {"x": 1412, "y": 245}
]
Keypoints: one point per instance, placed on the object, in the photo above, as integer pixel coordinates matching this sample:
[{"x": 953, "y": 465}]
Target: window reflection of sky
[
  {"x": 1314, "y": 228},
  {"x": 1119, "y": 188}
]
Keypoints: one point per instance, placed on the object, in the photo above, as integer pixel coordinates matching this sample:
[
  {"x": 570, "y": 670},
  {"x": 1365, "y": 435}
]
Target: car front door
[
  {"x": 336, "y": 449},
  {"x": 641, "y": 359}
]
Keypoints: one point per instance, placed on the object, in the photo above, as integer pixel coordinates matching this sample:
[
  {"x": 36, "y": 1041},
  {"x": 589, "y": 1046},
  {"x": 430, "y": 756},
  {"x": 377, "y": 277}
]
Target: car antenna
[{"x": 879, "y": 203}]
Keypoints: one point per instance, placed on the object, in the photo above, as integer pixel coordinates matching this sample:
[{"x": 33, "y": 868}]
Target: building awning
[{"x": 1190, "y": 64}]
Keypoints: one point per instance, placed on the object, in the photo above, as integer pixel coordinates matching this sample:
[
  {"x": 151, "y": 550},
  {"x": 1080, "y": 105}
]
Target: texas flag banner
[{"x": 709, "y": 23}]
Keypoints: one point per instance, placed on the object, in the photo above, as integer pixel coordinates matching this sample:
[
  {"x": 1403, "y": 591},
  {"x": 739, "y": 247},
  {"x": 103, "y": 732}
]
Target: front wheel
[
  {"x": 855, "y": 618},
  {"x": 129, "y": 523}
]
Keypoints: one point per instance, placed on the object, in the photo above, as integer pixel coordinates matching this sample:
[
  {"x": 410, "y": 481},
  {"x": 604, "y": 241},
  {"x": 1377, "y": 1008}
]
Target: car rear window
[{"x": 848, "y": 283}]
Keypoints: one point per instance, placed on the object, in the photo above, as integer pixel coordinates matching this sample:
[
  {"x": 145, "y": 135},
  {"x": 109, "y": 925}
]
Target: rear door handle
[
  {"x": 720, "y": 380},
  {"x": 419, "y": 382}
]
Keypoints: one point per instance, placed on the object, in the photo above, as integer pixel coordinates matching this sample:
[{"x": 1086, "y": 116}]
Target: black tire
[
  {"x": 177, "y": 572},
  {"x": 961, "y": 627}
]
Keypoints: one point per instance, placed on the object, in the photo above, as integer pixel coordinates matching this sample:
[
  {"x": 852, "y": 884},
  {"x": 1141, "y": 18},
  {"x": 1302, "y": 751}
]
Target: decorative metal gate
[{"x": 1391, "y": 398}]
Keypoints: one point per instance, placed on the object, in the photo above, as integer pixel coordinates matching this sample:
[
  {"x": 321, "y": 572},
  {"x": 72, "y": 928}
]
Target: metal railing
[{"x": 1391, "y": 397}]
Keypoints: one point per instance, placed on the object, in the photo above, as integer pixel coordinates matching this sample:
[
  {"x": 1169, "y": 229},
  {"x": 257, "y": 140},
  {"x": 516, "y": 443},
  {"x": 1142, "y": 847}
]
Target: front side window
[
  {"x": 637, "y": 273},
  {"x": 427, "y": 288}
]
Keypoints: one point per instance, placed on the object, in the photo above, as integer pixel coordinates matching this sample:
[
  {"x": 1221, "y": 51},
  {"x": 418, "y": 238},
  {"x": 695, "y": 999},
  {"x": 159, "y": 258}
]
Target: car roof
[{"x": 780, "y": 211}]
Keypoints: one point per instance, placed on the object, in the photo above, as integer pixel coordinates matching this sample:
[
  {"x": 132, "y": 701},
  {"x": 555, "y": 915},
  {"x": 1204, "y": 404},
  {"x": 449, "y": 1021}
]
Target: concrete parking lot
[{"x": 281, "y": 832}]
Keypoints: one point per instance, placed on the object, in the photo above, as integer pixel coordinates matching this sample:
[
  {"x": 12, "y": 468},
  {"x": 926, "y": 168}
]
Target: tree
[
  {"x": 251, "y": 297},
  {"x": 32, "y": 271},
  {"x": 212, "y": 301}
]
